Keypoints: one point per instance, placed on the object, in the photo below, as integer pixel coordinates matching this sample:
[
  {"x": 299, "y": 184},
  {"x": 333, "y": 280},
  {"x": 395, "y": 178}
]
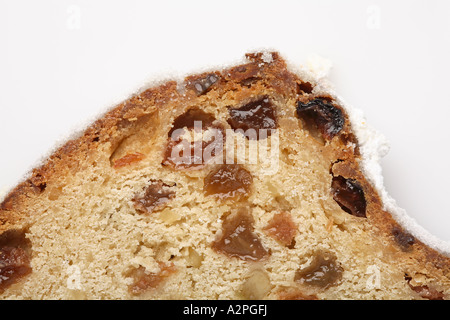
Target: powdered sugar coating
[{"x": 373, "y": 147}]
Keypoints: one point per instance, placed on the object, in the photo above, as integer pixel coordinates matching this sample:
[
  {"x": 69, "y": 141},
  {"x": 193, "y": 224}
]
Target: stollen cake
[{"x": 254, "y": 181}]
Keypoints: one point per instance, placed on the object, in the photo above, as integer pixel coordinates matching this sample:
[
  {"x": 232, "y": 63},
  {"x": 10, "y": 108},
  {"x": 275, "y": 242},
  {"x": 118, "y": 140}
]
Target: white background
[{"x": 62, "y": 62}]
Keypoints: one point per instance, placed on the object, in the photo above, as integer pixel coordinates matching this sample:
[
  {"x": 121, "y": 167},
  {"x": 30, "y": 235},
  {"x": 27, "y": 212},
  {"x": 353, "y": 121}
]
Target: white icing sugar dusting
[
  {"x": 267, "y": 57},
  {"x": 373, "y": 147},
  {"x": 319, "y": 66}
]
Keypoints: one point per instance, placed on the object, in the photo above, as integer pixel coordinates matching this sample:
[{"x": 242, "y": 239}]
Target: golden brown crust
[{"x": 116, "y": 124}]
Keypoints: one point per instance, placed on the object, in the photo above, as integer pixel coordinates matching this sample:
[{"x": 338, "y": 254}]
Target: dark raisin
[
  {"x": 328, "y": 119},
  {"x": 205, "y": 142},
  {"x": 202, "y": 86},
  {"x": 349, "y": 195},
  {"x": 404, "y": 239},
  {"x": 155, "y": 196},
  {"x": 324, "y": 271},
  {"x": 253, "y": 117},
  {"x": 237, "y": 238},
  {"x": 14, "y": 257},
  {"x": 188, "y": 119}
]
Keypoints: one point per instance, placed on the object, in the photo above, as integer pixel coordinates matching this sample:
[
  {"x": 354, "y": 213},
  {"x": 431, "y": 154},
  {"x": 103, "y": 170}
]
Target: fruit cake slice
[{"x": 249, "y": 182}]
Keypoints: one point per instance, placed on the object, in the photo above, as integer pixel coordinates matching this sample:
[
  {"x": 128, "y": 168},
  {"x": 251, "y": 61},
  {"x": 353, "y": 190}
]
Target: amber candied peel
[{"x": 237, "y": 239}]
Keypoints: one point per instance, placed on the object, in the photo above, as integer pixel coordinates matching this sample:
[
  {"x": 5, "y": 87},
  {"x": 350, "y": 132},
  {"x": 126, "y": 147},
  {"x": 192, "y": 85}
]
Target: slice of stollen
[{"x": 255, "y": 181}]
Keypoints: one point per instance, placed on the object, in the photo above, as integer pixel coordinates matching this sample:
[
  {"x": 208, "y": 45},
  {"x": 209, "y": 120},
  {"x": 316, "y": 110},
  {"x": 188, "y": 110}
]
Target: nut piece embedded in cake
[
  {"x": 188, "y": 119},
  {"x": 256, "y": 286},
  {"x": 349, "y": 195},
  {"x": 327, "y": 118},
  {"x": 237, "y": 238},
  {"x": 228, "y": 181},
  {"x": 155, "y": 196},
  {"x": 193, "y": 258},
  {"x": 253, "y": 117},
  {"x": 323, "y": 272}
]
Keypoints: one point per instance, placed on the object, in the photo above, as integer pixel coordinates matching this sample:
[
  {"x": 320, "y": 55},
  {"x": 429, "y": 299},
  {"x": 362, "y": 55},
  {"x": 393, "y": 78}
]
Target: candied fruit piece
[
  {"x": 328, "y": 119},
  {"x": 245, "y": 72},
  {"x": 253, "y": 117},
  {"x": 323, "y": 272},
  {"x": 256, "y": 286},
  {"x": 237, "y": 238},
  {"x": 404, "y": 239},
  {"x": 14, "y": 257},
  {"x": 144, "y": 281},
  {"x": 194, "y": 140},
  {"x": 228, "y": 181},
  {"x": 349, "y": 195},
  {"x": 128, "y": 159},
  {"x": 427, "y": 292},
  {"x": 282, "y": 228},
  {"x": 155, "y": 196},
  {"x": 14, "y": 264}
]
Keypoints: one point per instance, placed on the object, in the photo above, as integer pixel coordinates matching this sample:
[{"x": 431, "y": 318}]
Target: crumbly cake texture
[{"x": 109, "y": 215}]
